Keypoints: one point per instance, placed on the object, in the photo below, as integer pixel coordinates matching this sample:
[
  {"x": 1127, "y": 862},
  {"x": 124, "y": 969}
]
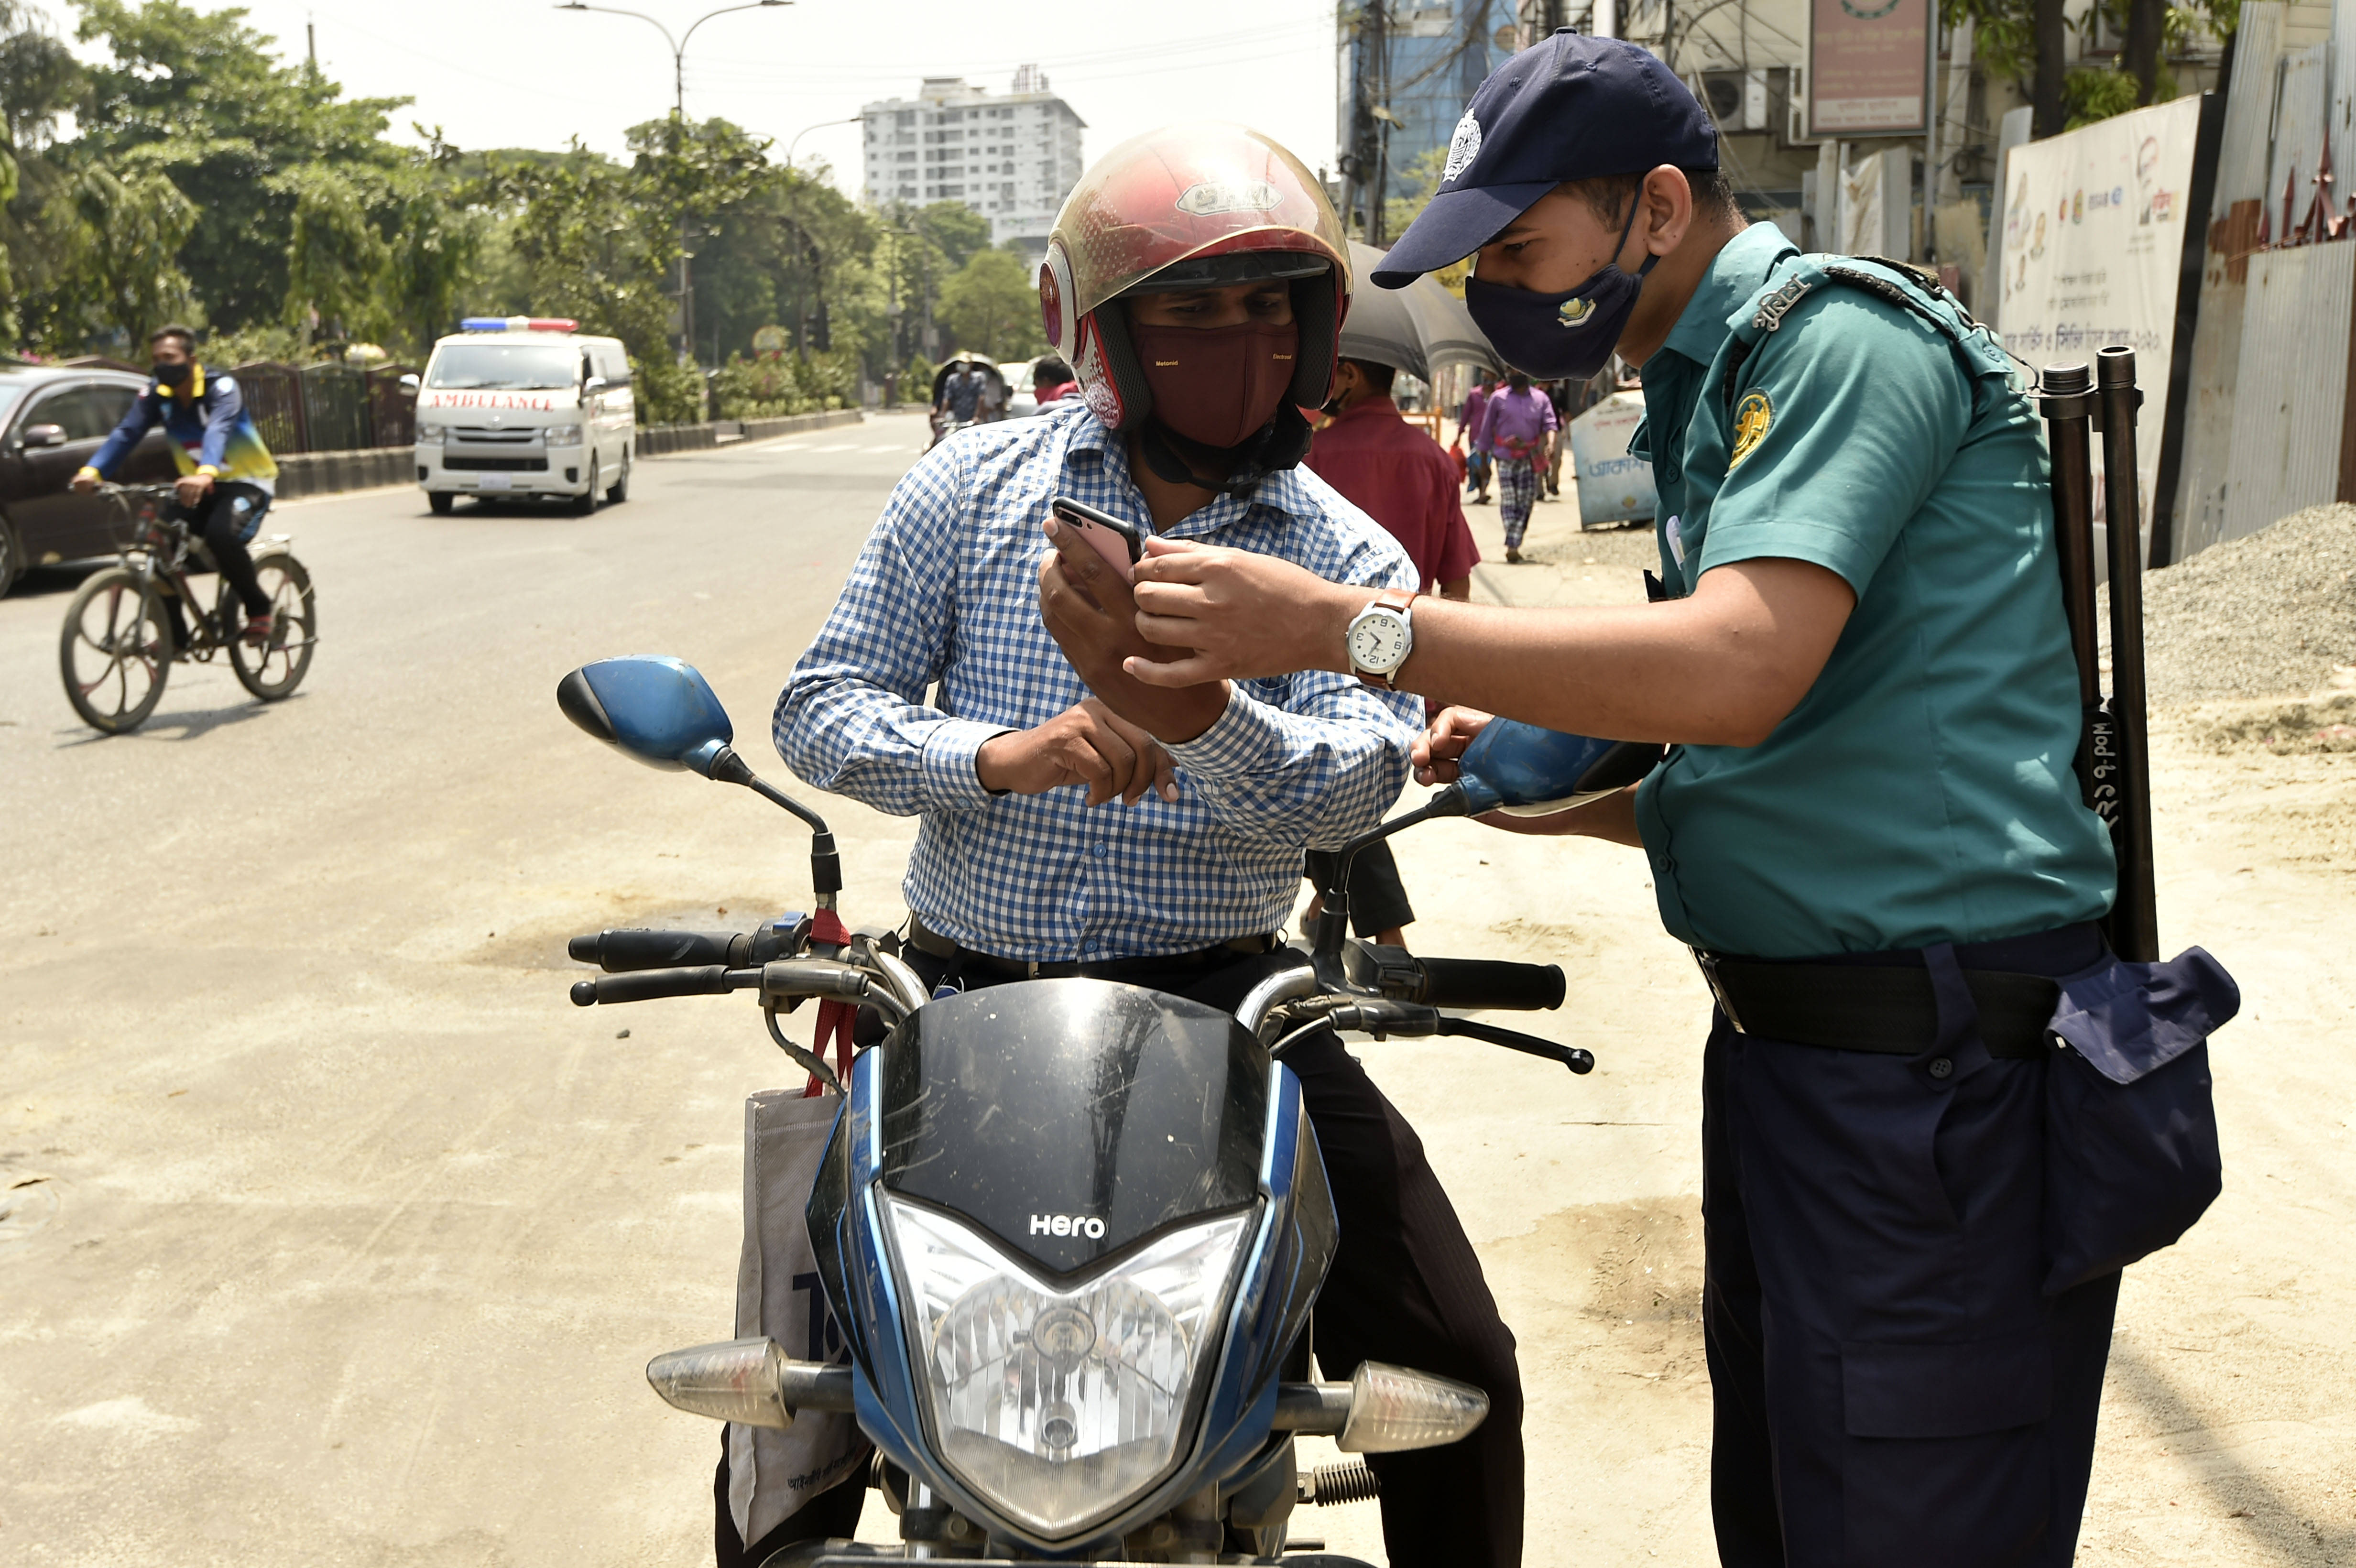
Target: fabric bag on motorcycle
[
  {"x": 772, "y": 1474},
  {"x": 2131, "y": 1156}
]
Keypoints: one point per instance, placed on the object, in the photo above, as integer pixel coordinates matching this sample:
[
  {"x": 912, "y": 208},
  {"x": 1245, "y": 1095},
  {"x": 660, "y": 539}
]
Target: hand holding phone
[{"x": 1118, "y": 542}]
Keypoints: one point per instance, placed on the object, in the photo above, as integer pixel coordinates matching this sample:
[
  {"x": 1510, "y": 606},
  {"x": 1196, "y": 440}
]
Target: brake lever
[{"x": 1571, "y": 1056}]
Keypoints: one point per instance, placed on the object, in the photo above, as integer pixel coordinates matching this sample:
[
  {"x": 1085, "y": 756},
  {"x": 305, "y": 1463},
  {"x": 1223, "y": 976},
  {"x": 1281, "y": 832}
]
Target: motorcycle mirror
[
  {"x": 657, "y": 710},
  {"x": 665, "y": 714},
  {"x": 1525, "y": 770}
]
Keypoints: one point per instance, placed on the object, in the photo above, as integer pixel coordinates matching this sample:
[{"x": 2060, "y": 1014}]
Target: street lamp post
[
  {"x": 678, "y": 113},
  {"x": 678, "y": 45},
  {"x": 848, "y": 120}
]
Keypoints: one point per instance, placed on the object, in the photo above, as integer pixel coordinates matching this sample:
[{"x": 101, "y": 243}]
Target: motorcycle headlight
[
  {"x": 564, "y": 435},
  {"x": 428, "y": 432},
  {"x": 1061, "y": 1406}
]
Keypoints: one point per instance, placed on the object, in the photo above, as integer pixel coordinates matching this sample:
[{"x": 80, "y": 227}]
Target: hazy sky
[{"x": 523, "y": 73}]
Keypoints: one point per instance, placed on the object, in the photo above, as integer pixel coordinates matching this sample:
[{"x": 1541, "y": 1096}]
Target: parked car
[{"x": 51, "y": 423}]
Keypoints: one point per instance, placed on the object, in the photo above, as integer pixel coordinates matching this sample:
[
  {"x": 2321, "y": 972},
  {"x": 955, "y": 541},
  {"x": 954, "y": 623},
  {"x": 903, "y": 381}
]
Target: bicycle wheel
[
  {"x": 116, "y": 650},
  {"x": 272, "y": 672}
]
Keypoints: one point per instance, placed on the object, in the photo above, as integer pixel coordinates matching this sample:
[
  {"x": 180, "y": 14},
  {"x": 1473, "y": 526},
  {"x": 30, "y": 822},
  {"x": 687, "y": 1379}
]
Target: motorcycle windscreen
[{"x": 1070, "y": 1119}]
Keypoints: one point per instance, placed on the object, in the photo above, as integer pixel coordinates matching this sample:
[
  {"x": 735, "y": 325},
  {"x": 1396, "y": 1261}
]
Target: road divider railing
[{"x": 377, "y": 467}]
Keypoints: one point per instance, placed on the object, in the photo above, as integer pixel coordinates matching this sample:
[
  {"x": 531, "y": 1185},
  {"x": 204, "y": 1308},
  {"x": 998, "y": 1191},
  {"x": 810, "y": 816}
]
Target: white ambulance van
[{"x": 522, "y": 407}]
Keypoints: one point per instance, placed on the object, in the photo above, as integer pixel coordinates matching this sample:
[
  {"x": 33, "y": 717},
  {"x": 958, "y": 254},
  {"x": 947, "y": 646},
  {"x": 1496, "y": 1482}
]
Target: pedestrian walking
[
  {"x": 1868, "y": 824},
  {"x": 1516, "y": 427},
  {"x": 1468, "y": 431},
  {"x": 1563, "y": 393}
]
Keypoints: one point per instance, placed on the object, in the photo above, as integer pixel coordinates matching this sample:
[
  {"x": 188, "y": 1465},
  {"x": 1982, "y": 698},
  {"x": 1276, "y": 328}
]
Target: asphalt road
[
  {"x": 330, "y": 1233},
  {"x": 360, "y": 1232}
]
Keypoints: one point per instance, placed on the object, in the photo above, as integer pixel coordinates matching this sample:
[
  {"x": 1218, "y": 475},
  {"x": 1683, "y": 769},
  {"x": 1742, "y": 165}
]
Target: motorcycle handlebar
[
  {"x": 617, "y": 952},
  {"x": 1489, "y": 983},
  {"x": 646, "y": 984}
]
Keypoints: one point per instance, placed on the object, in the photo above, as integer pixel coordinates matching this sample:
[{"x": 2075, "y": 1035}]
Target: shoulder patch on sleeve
[{"x": 1751, "y": 417}]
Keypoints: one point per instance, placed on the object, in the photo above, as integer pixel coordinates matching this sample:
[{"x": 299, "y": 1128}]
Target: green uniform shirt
[{"x": 1922, "y": 791}]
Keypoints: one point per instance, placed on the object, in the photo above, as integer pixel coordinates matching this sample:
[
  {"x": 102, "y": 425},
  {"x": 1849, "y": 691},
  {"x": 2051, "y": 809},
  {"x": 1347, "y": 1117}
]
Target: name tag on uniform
[{"x": 1677, "y": 543}]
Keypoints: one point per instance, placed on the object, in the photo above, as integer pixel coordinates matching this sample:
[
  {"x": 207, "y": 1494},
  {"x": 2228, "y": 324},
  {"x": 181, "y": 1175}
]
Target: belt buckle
[{"x": 1717, "y": 983}]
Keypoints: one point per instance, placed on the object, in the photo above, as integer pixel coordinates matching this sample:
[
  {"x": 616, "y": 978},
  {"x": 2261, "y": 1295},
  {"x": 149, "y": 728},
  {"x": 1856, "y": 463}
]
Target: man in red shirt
[
  {"x": 1395, "y": 475},
  {"x": 1399, "y": 476}
]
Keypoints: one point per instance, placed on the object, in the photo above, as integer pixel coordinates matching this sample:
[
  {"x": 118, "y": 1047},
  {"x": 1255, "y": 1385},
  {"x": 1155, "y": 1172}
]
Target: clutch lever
[
  {"x": 1571, "y": 1056},
  {"x": 1381, "y": 1018}
]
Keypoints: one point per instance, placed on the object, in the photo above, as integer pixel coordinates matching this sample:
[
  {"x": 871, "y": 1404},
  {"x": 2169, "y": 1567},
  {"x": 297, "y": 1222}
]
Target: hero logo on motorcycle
[{"x": 1068, "y": 1225}]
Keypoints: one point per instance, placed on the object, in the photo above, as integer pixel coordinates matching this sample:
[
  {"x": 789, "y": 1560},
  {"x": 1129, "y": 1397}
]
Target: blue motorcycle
[{"x": 1073, "y": 1231}]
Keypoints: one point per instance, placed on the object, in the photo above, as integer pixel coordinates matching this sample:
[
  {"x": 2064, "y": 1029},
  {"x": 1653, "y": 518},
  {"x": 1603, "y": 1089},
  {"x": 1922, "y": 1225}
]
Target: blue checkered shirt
[{"x": 946, "y": 591}]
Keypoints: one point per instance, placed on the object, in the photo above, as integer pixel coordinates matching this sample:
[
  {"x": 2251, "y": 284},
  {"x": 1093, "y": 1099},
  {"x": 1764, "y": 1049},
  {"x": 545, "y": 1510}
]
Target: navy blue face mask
[{"x": 1568, "y": 335}]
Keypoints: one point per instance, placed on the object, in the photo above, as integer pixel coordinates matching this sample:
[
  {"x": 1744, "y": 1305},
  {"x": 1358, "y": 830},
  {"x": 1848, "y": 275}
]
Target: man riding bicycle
[{"x": 227, "y": 476}]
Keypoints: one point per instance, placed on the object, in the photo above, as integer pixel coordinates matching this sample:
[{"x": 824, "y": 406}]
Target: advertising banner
[
  {"x": 1869, "y": 68},
  {"x": 2093, "y": 240}
]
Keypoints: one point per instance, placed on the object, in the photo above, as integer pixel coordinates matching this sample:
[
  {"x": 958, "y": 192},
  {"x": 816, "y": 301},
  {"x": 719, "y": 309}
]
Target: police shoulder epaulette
[{"x": 1773, "y": 307}]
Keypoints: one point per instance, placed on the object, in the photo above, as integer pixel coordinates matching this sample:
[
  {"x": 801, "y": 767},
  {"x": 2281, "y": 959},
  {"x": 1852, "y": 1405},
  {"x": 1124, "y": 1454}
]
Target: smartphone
[{"x": 1117, "y": 541}]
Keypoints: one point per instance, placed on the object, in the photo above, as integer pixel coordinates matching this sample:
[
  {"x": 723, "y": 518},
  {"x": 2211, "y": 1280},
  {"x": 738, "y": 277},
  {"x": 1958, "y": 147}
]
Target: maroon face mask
[{"x": 1217, "y": 385}]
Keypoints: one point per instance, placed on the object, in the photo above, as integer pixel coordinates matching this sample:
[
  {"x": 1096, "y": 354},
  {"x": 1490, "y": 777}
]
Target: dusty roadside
[{"x": 2226, "y": 1437}]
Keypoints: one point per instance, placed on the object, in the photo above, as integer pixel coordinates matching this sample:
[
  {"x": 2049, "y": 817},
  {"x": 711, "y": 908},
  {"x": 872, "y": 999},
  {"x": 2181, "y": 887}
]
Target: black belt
[
  {"x": 1888, "y": 1009},
  {"x": 923, "y": 939}
]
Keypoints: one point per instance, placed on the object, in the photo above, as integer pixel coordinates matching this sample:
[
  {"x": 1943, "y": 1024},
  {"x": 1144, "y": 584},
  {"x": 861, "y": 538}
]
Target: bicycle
[{"x": 125, "y": 629}]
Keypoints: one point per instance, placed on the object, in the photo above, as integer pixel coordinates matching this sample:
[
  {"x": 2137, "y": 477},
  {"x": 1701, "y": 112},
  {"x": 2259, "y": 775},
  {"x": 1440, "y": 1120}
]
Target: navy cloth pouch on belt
[{"x": 2130, "y": 1129}]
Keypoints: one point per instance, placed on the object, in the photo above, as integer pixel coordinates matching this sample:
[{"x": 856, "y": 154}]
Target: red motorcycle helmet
[{"x": 1202, "y": 205}]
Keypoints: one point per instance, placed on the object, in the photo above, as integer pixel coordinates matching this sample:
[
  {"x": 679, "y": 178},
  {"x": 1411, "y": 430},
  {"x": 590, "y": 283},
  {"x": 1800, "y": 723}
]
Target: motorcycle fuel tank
[{"x": 1070, "y": 1119}]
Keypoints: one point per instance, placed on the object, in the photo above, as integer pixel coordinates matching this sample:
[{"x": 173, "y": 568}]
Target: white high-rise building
[{"x": 1012, "y": 159}]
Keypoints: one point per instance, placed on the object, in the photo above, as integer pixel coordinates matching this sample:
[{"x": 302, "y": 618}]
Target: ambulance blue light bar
[{"x": 519, "y": 324}]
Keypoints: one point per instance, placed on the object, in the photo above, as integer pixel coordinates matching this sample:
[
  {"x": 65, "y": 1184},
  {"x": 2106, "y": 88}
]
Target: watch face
[{"x": 1379, "y": 642}]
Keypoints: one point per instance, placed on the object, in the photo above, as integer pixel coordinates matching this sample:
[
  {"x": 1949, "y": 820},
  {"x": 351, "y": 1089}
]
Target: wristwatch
[{"x": 1382, "y": 635}]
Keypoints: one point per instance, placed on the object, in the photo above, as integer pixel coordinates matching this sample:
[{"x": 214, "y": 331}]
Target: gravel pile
[{"x": 2269, "y": 615}]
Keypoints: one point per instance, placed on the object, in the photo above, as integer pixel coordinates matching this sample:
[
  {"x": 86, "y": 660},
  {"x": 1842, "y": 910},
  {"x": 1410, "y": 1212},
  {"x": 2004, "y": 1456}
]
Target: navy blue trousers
[{"x": 1890, "y": 1386}]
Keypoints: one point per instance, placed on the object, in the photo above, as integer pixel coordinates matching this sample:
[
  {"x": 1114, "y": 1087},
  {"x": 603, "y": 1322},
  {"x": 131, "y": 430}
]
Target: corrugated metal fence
[{"x": 2271, "y": 423}]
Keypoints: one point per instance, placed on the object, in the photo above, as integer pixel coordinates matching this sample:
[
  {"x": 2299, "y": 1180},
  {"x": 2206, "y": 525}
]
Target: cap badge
[
  {"x": 1462, "y": 148},
  {"x": 1228, "y": 195},
  {"x": 1574, "y": 313}
]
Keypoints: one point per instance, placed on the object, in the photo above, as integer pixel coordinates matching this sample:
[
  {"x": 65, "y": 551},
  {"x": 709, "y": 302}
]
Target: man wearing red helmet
[{"x": 1195, "y": 282}]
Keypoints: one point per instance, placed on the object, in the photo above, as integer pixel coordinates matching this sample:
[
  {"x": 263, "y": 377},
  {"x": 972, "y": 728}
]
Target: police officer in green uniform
[{"x": 1867, "y": 823}]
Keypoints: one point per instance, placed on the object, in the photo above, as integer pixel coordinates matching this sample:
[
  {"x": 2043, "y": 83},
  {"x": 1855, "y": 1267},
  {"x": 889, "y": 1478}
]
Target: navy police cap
[{"x": 1570, "y": 108}]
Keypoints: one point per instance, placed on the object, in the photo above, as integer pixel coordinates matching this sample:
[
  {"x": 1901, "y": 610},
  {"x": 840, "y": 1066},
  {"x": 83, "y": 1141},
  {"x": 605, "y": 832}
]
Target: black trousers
[
  {"x": 1890, "y": 1384},
  {"x": 1378, "y": 900},
  {"x": 225, "y": 519},
  {"x": 1405, "y": 1288}
]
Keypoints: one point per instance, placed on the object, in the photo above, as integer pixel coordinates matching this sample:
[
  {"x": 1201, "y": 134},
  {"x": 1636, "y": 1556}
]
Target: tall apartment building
[{"x": 1012, "y": 159}]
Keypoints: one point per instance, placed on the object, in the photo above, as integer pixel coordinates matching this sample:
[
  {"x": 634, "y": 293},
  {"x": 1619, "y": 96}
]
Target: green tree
[
  {"x": 991, "y": 305},
  {"x": 796, "y": 252},
  {"x": 958, "y": 229},
  {"x": 40, "y": 82},
  {"x": 124, "y": 231},
  {"x": 2028, "y": 40},
  {"x": 336, "y": 258},
  {"x": 434, "y": 246},
  {"x": 240, "y": 135}
]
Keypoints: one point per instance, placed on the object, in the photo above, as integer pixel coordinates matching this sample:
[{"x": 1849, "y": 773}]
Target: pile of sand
[{"x": 2268, "y": 615}]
